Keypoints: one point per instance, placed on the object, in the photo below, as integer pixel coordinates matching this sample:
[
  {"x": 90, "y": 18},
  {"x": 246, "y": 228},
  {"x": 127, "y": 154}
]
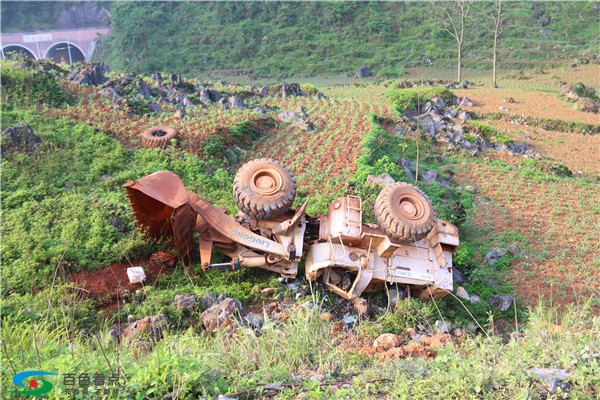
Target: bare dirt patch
[
  {"x": 560, "y": 221},
  {"x": 531, "y": 103},
  {"x": 580, "y": 153},
  {"x": 108, "y": 286}
]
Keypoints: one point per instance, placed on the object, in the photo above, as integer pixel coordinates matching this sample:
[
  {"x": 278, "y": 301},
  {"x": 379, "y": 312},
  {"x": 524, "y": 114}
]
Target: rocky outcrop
[
  {"x": 19, "y": 138},
  {"x": 91, "y": 74},
  {"x": 219, "y": 315},
  {"x": 363, "y": 72}
]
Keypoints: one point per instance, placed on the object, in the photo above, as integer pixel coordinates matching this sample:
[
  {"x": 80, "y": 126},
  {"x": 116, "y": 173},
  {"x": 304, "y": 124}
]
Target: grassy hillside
[
  {"x": 68, "y": 235},
  {"x": 321, "y": 38}
]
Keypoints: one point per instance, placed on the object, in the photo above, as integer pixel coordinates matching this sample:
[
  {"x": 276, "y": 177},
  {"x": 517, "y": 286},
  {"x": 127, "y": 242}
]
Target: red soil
[{"x": 107, "y": 286}]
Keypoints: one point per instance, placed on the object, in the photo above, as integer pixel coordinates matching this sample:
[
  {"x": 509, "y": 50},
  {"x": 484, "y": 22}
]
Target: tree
[
  {"x": 497, "y": 17},
  {"x": 453, "y": 14}
]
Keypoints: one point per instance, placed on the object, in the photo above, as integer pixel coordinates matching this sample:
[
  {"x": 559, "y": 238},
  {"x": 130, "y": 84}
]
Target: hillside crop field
[{"x": 515, "y": 168}]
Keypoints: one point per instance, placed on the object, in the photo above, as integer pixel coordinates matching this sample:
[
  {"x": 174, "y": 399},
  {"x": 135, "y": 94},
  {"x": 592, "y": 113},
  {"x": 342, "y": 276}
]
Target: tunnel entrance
[
  {"x": 65, "y": 53},
  {"x": 8, "y": 51}
]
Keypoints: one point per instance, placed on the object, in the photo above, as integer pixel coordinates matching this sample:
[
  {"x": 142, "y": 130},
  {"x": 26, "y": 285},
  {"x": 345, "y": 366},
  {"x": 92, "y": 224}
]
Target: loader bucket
[{"x": 161, "y": 207}]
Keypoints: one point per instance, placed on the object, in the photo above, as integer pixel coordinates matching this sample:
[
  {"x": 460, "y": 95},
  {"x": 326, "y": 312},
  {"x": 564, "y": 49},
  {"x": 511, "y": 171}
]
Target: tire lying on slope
[
  {"x": 404, "y": 212},
  {"x": 158, "y": 136},
  {"x": 264, "y": 188}
]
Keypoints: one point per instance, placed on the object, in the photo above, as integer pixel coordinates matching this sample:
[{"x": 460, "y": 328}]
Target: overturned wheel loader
[{"x": 408, "y": 247}]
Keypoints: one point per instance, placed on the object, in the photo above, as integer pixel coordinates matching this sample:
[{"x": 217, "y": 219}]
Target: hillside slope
[
  {"x": 322, "y": 38},
  {"x": 316, "y": 38}
]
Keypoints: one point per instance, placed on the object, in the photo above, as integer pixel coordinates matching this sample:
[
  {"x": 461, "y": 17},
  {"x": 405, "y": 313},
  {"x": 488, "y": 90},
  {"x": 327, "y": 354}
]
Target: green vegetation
[
  {"x": 543, "y": 123},
  {"x": 490, "y": 134},
  {"x": 65, "y": 205},
  {"x": 288, "y": 357},
  {"x": 309, "y": 89},
  {"x": 382, "y": 153},
  {"x": 410, "y": 100},
  {"x": 64, "y": 210},
  {"x": 317, "y": 38},
  {"x": 585, "y": 91},
  {"x": 21, "y": 87}
]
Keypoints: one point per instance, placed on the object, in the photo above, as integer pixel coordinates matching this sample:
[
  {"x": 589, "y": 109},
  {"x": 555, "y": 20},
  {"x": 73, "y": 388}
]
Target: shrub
[
  {"x": 408, "y": 100},
  {"x": 491, "y": 134},
  {"x": 25, "y": 88},
  {"x": 309, "y": 89}
]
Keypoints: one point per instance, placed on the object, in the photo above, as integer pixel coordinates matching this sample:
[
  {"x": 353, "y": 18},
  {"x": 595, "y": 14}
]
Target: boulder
[
  {"x": 464, "y": 115},
  {"x": 409, "y": 167},
  {"x": 388, "y": 340},
  {"x": 438, "y": 102},
  {"x": 551, "y": 377},
  {"x": 259, "y": 110},
  {"x": 428, "y": 125},
  {"x": 264, "y": 91},
  {"x": 457, "y": 276},
  {"x": 155, "y": 108},
  {"x": 291, "y": 89},
  {"x": 113, "y": 93},
  {"x": 465, "y": 102},
  {"x": 462, "y": 293},
  {"x": 185, "y": 102},
  {"x": 235, "y": 102},
  {"x": 569, "y": 92},
  {"x": 363, "y": 72},
  {"x": 382, "y": 180},
  {"x": 289, "y": 116},
  {"x": 588, "y": 105},
  {"x": 501, "y": 301},
  {"x": 143, "y": 89},
  {"x": 157, "y": 77},
  {"x": 217, "y": 315},
  {"x": 208, "y": 300},
  {"x": 19, "y": 138},
  {"x": 321, "y": 96},
  {"x": 517, "y": 148},
  {"x": 428, "y": 107},
  {"x": 399, "y": 129},
  {"x": 492, "y": 257},
  {"x": 305, "y": 125},
  {"x": 91, "y": 74},
  {"x": 433, "y": 176},
  {"x": 255, "y": 320},
  {"x": 214, "y": 95},
  {"x": 444, "y": 327},
  {"x": 145, "y": 330},
  {"x": 204, "y": 96},
  {"x": 186, "y": 302},
  {"x": 175, "y": 79}
]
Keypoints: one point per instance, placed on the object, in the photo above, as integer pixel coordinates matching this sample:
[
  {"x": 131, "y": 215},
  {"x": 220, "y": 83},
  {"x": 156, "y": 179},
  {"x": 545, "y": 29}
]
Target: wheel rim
[
  {"x": 266, "y": 182},
  {"x": 159, "y": 133},
  {"x": 410, "y": 207}
]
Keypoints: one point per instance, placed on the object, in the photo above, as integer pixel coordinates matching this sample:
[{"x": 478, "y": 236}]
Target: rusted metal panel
[
  {"x": 234, "y": 231},
  {"x": 183, "y": 221}
]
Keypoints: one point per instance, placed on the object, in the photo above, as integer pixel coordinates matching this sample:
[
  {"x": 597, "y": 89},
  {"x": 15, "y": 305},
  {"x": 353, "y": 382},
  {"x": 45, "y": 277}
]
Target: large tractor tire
[
  {"x": 264, "y": 188},
  {"x": 158, "y": 136},
  {"x": 404, "y": 212}
]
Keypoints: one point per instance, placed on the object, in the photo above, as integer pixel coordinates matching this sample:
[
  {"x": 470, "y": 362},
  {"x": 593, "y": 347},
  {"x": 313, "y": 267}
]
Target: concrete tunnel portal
[
  {"x": 66, "y": 53},
  {"x": 9, "y": 50}
]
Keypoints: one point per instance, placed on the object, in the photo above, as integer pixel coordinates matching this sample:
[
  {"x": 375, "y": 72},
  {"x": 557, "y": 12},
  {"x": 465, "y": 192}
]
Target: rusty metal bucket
[{"x": 160, "y": 205}]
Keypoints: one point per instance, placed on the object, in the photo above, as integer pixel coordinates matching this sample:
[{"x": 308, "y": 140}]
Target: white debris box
[{"x": 136, "y": 274}]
